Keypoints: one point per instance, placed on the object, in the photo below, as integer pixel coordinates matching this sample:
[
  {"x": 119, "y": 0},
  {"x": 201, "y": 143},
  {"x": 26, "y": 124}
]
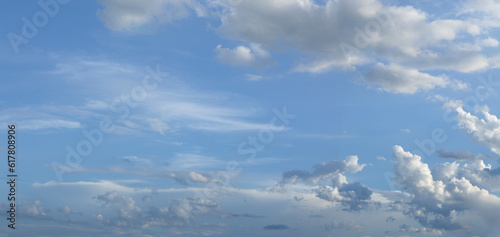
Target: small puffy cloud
[
  {"x": 252, "y": 77},
  {"x": 197, "y": 177},
  {"x": 405, "y": 130},
  {"x": 186, "y": 178},
  {"x": 254, "y": 56},
  {"x": 398, "y": 79},
  {"x": 65, "y": 210}
]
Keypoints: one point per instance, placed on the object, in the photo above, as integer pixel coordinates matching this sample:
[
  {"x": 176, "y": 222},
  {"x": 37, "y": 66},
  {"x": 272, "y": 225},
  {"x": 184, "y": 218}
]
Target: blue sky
[{"x": 252, "y": 118}]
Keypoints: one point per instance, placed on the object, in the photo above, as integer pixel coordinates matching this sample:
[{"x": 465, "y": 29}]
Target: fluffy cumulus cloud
[
  {"x": 485, "y": 130},
  {"x": 402, "y": 44},
  {"x": 438, "y": 196},
  {"x": 343, "y": 34}
]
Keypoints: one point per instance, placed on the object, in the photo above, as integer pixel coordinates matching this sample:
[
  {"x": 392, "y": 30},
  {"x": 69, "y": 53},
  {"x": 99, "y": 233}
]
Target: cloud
[
  {"x": 344, "y": 34},
  {"x": 423, "y": 230},
  {"x": 127, "y": 209},
  {"x": 65, "y": 210},
  {"x": 354, "y": 196},
  {"x": 276, "y": 227},
  {"x": 248, "y": 215},
  {"x": 438, "y": 196},
  {"x": 489, "y": 42},
  {"x": 399, "y": 42},
  {"x": 33, "y": 210},
  {"x": 252, "y": 77},
  {"x": 458, "y": 155},
  {"x": 487, "y": 10},
  {"x": 46, "y": 118},
  {"x": 125, "y": 15},
  {"x": 180, "y": 212},
  {"x": 48, "y": 124},
  {"x": 485, "y": 131},
  {"x": 405, "y": 130},
  {"x": 170, "y": 107},
  {"x": 254, "y": 56},
  {"x": 322, "y": 171},
  {"x": 397, "y": 79},
  {"x": 349, "y": 226}
]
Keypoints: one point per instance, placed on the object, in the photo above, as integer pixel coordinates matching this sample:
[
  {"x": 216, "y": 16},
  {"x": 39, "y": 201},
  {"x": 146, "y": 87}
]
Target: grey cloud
[
  {"x": 276, "y": 227},
  {"x": 348, "y": 226},
  {"x": 354, "y": 196},
  {"x": 458, "y": 155},
  {"x": 322, "y": 171},
  {"x": 249, "y": 215}
]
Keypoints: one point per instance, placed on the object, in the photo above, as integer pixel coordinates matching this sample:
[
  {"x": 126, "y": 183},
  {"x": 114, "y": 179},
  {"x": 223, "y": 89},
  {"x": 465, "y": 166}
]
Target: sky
[{"x": 251, "y": 118}]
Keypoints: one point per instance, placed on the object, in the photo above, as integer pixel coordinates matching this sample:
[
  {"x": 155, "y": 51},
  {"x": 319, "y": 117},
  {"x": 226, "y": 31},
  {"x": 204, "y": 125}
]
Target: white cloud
[
  {"x": 47, "y": 124},
  {"x": 405, "y": 130},
  {"x": 345, "y": 34},
  {"x": 437, "y": 196},
  {"x": 254, "y": 56},
  {"x": 252, "y": 77},
  {"x": 489, "y": 42},
  {"x": 485, "y": 131},
  {"x": 335, "y": 34},
  {"x": 157, "y": 125},
  {"x": 487, "y": 10},
  {"x": 397, "y": 79},
  {"x": 170, "y": 107}
]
